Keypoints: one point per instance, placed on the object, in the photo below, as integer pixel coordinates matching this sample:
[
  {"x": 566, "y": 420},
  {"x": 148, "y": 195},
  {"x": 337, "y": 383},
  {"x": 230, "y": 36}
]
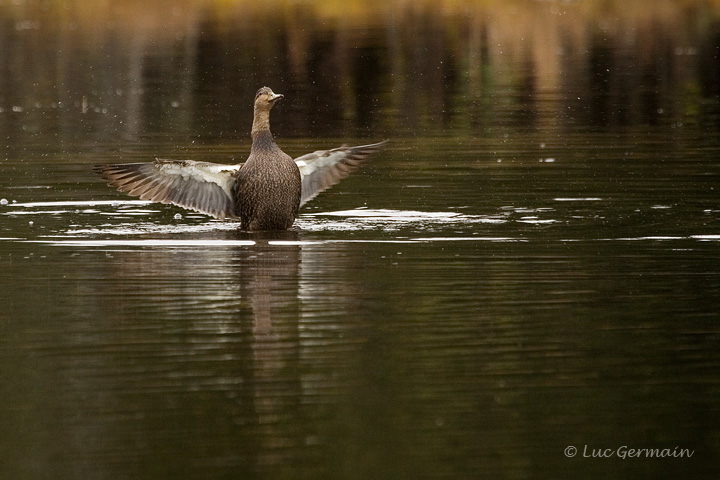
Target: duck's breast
[{"x": 268, "y": 193}]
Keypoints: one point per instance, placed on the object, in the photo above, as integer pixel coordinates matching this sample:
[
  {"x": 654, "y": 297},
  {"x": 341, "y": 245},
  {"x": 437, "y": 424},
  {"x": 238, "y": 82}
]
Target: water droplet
[
  {"x": 4, "y": 201},
  {"x": 177, "y": 216}
]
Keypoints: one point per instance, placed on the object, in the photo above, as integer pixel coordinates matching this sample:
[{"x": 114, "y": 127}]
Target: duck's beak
[{"x": 275, "y": 96}]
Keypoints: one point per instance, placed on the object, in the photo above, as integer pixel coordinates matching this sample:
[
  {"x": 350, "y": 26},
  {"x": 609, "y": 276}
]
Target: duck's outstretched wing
[
  {"x": 323, "y": 169},
  {"x": 201, "y": 186}
]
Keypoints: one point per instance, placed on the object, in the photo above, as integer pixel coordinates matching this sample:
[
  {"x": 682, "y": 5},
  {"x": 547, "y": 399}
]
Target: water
[{"x": 514, "y": 275}]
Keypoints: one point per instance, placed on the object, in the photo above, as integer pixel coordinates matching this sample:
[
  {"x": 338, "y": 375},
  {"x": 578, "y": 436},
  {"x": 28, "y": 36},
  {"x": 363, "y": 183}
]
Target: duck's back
[{"x": 268, "y": 188}]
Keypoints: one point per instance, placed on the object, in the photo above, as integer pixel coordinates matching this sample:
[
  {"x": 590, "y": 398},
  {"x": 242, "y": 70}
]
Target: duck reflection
[
  {"x": 269, "y": 274},
  {"x": 215, "y": 336}
]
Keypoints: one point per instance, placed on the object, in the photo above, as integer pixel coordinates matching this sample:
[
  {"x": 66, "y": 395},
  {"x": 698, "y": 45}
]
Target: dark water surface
[{"x": 532, "y": 264}]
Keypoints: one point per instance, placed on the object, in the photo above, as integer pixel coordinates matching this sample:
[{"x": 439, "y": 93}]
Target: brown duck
[{"x": 265, "y": 192}]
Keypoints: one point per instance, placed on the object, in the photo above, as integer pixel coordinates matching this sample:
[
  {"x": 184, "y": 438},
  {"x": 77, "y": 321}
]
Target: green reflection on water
[{"x": 101, "y": 73}]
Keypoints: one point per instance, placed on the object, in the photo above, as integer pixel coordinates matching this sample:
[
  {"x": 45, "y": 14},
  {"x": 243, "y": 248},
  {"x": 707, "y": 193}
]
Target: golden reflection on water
[{"x": 362, "y": 67}]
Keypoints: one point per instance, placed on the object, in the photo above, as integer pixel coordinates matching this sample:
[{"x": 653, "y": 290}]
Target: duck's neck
[
  {"x": 261, "y": 136},
  {"x": 261, "y": 121},
  {"x": 262, "y": 140}
]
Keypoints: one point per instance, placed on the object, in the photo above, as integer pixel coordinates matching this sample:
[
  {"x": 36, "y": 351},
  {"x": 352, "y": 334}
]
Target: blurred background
[{"x": 80, "y": 72}]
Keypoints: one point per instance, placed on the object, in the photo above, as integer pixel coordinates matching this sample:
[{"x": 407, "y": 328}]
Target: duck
[{"x": 264, "y": 193}]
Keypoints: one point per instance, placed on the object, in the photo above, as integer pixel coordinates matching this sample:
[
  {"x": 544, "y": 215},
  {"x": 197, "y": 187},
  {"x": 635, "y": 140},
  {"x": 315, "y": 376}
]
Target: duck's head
[{"x": 266, "y": 98}]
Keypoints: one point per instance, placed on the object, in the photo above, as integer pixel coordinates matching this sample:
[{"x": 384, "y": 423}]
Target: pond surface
[{"x": 533, "y": 263}]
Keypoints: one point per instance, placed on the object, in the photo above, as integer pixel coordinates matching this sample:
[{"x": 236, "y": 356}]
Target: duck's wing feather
[
  {"x": 201, "y": 186},
  {"x": 323, "y": 169}
]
